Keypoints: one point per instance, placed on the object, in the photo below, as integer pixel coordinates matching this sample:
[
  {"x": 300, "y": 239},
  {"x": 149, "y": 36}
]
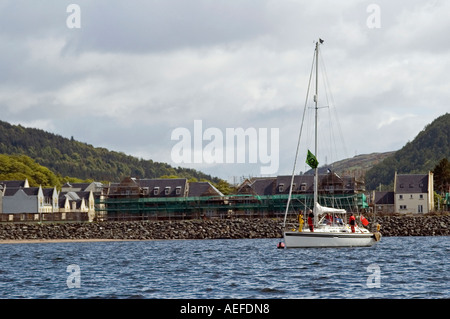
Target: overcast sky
[{"x": 135, "y": 71}]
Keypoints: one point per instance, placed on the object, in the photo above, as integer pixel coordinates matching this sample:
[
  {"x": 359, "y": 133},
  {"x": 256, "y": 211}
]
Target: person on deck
[
  {"x": 300, "y": 221},
  {"x": 311, "y": 221},
  {"x": 352, "y": 222}
]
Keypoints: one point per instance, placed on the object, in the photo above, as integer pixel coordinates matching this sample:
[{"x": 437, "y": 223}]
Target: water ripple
[{"x": 410, "y": 267}]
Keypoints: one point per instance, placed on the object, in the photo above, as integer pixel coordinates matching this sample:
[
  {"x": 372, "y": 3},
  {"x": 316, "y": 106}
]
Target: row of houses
[
  {"x": 412, "y": 193},
  {"x": 87, "y": 201},
  {"x": 178, "y": 198},
  {"x": 18, "y": 198},
  {"x": 265, "y": 197}
]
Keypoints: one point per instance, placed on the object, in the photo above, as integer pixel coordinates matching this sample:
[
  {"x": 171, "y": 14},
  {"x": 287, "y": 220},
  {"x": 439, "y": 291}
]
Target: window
[
  {"x": 401, "y": 185},
  {"x": 303, "y": 187},
  {"x": 167, "y": 190},
  {"x": 411, "y": 196},
  {"x": 178, "y": 190},
  {"x": 420, "y": 196},
  {"x": 281, "y": 188},
  {"x": 420, "y": 209},
  {"x": 400, "y": 196},
  {"x": 402, "y": 207},
  {"x": 156, "y": 191}
]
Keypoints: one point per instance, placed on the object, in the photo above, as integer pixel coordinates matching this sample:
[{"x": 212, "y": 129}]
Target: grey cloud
[
  {"x": 136, "y": 70},
  {"x": 154, "y": 26}
]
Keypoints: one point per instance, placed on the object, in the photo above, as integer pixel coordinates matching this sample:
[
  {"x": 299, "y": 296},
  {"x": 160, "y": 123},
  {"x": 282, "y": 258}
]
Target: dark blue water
[{"x": 396, "y": 267}]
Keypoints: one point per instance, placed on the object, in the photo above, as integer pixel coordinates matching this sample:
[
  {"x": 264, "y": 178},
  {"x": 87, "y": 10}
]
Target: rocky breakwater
[
  {"x": 423, "y": 225},
  {"x": 420, "y": 225},
  {"x": 146, "y": 230}
]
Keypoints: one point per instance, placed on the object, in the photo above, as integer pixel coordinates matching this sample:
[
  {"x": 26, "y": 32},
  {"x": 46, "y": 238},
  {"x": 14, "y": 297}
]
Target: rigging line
[
  {"x": 341, "y": 136},
  {"x": 328, "y": 145},
  {"x": 333, "y": 149},
  {"x": 298, "y": 143}
]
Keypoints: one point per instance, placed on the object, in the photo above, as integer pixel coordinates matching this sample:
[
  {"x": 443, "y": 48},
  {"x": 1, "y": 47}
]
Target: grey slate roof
[
  {"x": 197, "y": 189},
  {"x": 13, "y": 184},
  {"x": 263, "y": 186},
  {"x": 30, "y": 191},
  {"x": 411, "y": 183},
  {"x": 164, "y": 187},
  {"x": 384, "y": 198},
  {"x": 307, "y": 181}
]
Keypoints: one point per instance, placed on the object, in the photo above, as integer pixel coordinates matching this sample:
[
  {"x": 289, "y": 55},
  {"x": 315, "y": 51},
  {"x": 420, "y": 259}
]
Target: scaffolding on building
[{"x": 238, "y": 206}]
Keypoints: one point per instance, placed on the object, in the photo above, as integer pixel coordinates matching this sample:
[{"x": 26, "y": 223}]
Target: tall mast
[
  {"x": 316, "y": 176},
  {"x": 316, "y": 100}
]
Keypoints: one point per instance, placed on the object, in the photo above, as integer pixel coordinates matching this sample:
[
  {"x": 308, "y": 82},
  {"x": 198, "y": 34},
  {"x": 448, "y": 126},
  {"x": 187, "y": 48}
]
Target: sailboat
[{"x": 327, "y": 226}]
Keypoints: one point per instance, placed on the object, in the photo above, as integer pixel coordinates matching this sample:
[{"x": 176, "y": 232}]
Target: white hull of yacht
[{"x": 293, "y": 239}]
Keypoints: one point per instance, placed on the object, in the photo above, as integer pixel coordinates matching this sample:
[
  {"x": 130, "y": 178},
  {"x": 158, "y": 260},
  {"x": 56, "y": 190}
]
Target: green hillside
[
  {"x": 21, "y": 167},
  {"x": 356, "y": 166},
  {"x": 68, "y": 157},
  {"x": 418, "y": 156}
]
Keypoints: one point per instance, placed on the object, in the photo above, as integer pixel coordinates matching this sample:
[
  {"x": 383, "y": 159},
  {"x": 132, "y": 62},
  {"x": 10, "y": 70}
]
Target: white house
[
  {"x": 77, "y": 202},
  {"x": 414, "y": 193},
  {"x": 50, "y": 201},
  {"x": 30, "y": 200},
  {"x": 23, "y": 200}
]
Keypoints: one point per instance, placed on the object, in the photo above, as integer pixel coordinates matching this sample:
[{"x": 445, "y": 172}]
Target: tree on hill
[
  {"x": 418, "y": 156},
  {"x": 441, "y": 174},
  {"x": 21, "y": 167},
  {"x": 68, "y": 157}
]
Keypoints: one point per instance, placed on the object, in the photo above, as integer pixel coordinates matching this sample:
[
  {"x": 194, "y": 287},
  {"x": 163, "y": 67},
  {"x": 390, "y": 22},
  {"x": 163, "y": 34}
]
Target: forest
[
  {"x": 51, "y": 160},
  {"x": 21, "y": 167},
  {"x": 66, "y": 159},
  {"x": 419, "y": 156}
]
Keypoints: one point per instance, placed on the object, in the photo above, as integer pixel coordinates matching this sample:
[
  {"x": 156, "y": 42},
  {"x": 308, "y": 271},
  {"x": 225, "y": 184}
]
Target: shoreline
[
  {"x": 94, "y": 240},
  {"x": 391, "y": 226},
  {"x": 62, "y": 240}
]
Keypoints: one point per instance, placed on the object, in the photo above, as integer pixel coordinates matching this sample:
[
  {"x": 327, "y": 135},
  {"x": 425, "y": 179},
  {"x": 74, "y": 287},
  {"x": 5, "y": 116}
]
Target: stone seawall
[
  {"x": 426, "y": 225},
  {"x": 202, "y": 229}
]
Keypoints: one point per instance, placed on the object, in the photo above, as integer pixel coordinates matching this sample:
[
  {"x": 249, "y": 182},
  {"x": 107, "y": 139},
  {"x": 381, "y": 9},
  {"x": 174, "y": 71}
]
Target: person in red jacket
[
  {"x": 311, "y": 221},
  {"x": 352, "y": 222}
]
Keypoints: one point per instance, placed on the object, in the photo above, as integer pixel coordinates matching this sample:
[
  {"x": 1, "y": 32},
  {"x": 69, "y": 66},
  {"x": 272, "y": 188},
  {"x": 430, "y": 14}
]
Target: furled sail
[{"x": 327, "y": 210}]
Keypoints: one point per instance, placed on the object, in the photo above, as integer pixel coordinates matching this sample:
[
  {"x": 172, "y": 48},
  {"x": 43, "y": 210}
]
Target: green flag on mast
[{"x": 311, "y": 160}]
